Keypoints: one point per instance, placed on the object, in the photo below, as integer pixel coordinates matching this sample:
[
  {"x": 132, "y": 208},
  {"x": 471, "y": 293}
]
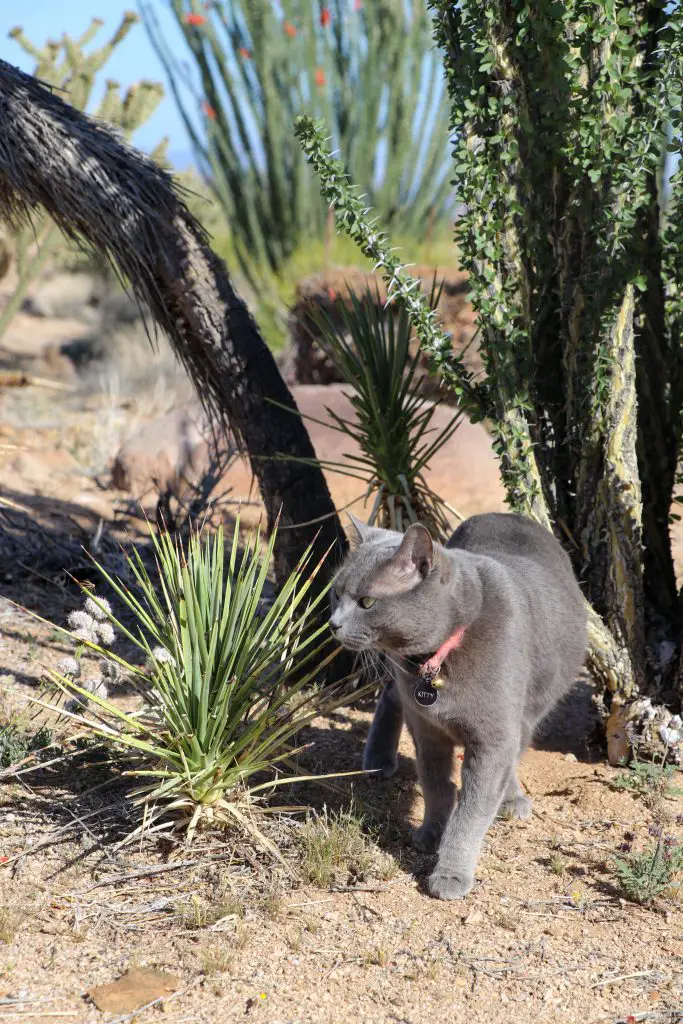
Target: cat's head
[{"x": 387, "y": 594}]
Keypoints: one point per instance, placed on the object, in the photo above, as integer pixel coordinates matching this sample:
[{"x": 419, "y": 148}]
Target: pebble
[{"x": 570, "y": 757}]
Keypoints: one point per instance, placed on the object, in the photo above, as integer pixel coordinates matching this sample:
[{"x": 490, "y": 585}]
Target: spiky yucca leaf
[
  {"x": 231, "y": 681},
  {"x": 370, "y": 348}
]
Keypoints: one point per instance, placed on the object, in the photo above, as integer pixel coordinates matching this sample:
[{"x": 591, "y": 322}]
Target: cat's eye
[{"x": 367, "y": 602}]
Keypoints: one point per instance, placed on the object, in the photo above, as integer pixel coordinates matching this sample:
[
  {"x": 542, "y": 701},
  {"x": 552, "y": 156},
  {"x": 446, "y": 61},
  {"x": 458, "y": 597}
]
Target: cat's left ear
[
  {"x": 358, "y": 533},
  {"x": 416, "y": 551}
]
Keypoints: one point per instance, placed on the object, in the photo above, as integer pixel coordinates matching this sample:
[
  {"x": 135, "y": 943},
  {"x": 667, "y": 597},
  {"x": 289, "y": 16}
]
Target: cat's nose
[{"x": 335, "y": 622}]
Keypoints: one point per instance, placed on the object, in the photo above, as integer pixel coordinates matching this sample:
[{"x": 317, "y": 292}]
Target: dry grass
[
  {"x": 337, "y": 850},
  {"x": 10, "y": 920}
]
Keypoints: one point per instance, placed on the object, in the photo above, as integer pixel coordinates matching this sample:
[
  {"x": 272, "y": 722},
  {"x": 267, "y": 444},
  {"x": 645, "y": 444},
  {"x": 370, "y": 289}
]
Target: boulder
[
  {"x": 304, "y": 362},
  {"x": 464, "y": 473},
  {"x": 162, "y": 454},
  {"x": 66, "y": 295}
]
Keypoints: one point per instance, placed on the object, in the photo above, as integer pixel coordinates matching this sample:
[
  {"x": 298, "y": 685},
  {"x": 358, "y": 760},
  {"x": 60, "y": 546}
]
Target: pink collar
[{"x": 430, "y": 670}]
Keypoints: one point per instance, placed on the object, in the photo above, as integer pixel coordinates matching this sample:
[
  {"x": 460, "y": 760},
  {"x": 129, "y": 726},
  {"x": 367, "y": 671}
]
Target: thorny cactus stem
[{"x": 351, "y": 218}]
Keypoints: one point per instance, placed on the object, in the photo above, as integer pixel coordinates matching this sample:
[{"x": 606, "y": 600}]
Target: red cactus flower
[
  {"x": 244, "y": 52},
  {"x": 290, "y": 29},
  {"x": 357, "y": 5},
  {"x": 209, "y": 111},
  {"x": 195, "y": 19},
  {"x": 320, "y": 79},
  {"x": 325, "y": 17}
]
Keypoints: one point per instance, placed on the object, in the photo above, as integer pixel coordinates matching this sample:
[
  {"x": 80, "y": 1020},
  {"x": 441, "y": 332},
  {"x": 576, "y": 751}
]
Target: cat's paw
[
  {"x": 382, "y": 764},
  {"x": 518, "y": 807},
  {"x": 426, "y": 838},
  {"x": 445, "y": 885}
]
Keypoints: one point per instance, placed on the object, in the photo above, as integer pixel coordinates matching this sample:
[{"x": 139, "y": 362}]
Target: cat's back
[
  {"x": 545, "y": 605},
  {"x": 509, "y": 538}
]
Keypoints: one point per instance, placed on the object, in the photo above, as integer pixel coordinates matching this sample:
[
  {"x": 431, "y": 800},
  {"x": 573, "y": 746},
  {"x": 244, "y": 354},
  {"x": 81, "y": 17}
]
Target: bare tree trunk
[{"x": 105, "y": 194}]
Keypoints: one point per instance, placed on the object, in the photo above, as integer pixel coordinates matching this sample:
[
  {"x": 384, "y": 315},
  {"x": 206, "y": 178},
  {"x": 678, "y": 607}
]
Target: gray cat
[{"x": 482, "y": 638}]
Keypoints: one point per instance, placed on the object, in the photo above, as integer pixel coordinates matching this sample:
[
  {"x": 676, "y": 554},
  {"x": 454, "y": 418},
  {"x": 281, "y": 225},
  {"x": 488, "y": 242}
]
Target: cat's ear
[
  {"x": 358, "y": 532},
  {"x": 415, "y": 552}
]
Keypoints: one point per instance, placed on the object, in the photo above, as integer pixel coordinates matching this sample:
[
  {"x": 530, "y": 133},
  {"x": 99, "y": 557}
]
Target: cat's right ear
[
  {"x": 416, "y": 552},
  {"x": 358, "y": 533}
]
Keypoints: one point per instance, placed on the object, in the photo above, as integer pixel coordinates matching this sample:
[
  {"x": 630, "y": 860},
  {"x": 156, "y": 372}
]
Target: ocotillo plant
[
  {"x": 67, "y": 66},
  {"x": 560, "y": 116},
  {"x": 260, "y": 62}
]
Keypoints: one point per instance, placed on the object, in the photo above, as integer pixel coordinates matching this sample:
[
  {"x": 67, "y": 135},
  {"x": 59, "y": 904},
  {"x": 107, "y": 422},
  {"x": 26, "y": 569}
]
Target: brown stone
[
  {"x": 305, "y": 363},
  {"x": 133, "y": 990},
  {"x": 464, "y": 472},
  {"x": 162, "y": 453}
]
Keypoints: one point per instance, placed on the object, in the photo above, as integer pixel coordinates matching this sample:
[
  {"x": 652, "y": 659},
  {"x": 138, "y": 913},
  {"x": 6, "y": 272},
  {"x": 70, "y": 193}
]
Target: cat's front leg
[
  {"x": 381, "y": 746},
  {"x": 434, "y": 751},
  {"x": 485, "y": 773}
]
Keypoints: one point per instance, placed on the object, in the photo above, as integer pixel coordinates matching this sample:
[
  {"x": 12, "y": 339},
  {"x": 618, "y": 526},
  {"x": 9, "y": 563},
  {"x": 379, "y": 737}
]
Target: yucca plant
[
  {"x": 370, "y": 346},
  {"x": 228, "y": 681}
]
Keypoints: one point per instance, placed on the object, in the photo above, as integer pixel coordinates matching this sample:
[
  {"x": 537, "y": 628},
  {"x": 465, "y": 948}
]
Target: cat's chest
[{"x": 441, "y": 704}]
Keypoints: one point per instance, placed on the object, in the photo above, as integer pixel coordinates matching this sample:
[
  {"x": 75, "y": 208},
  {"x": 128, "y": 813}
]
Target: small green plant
[
  {"x": 651, "y": 872},
  {"x": 17, "y": 743},
  {"x": 557, "y": 863},
  {"x": 371, "y": 348},
  {"x": 198, "y": 912},
  {"x": 227, "y": 681},
  {"x": 216, "y": 959},
  {"x": 337, "y": 850},
  {"x": 650, "y": 780}
]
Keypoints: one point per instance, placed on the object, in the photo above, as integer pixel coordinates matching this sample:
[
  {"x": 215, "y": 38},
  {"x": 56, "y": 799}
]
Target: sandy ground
[{"x": 545, "y": 936}]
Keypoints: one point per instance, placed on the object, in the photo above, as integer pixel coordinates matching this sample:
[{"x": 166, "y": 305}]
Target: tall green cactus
[
  {"x": 560, "y": 115},
  {"x": 369, "y": 69},
  {"x": 66, "y": 66}
]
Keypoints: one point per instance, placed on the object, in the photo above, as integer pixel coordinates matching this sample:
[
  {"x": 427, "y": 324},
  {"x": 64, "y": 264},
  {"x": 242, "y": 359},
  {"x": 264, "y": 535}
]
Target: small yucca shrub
[
  {"x": 370, "y": 348},
  {"x": 227, "y": 681}
]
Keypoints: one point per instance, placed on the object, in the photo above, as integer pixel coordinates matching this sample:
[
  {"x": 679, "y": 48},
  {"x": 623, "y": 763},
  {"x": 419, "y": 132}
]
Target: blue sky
[{"x": 134, "y": 59}]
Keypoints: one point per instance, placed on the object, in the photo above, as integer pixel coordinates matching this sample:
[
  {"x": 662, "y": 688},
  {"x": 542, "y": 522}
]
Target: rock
[
  {"x": 162, "y": 454},
  {"x": 474, "y": 917},
  {"x": 36, "y": 471},
  {"x": 618, "y": 743},
  {"x": 121, "y": 308},
  {"x": 134, "y": 989},
  {"x": 305, "y": 363},
  {"x": 570, "y": 757},
  {"x": 66, "y": 295},
  {"x": 464, "y": 473}
]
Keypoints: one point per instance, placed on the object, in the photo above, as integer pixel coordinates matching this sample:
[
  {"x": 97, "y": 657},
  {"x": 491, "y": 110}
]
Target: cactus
[
  {"x": 370, "y": 69},
  {"x": 560, "y": 115},
  {"x": 66, "y": 66}
]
